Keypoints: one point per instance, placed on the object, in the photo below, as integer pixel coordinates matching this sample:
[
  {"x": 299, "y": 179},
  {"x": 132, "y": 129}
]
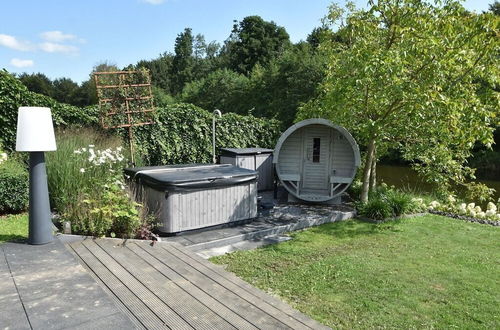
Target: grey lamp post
[
  {"x": 216, "y": 114},
  {"x": 35, "y": 134}
]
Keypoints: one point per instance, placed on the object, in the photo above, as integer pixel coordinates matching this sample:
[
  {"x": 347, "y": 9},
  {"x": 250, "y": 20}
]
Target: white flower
[
  {"x": 471, "y": 206},
  {"x": 490, "y": 213},
  {"x": 91, "y": 146},
  {"x": 451, "y": 199},
  {"x": 491, "y": 207},
  {"x": 481, "y": 215},
  {"x": 435, "y": 204},
  {"x": 478, "y": 209},
  {"x": 472, "y": 213},
  {"x": 82, "y": 170},
  {"x": 77, "y": 151},
  {"x": 84, "y": 149}
]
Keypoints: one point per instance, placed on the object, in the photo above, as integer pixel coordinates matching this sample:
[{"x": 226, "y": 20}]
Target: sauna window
[{"x": 316, "y": 149}]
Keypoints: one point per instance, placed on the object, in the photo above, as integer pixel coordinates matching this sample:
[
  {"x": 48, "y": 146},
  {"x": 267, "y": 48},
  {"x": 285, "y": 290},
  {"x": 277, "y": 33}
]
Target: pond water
[{"x": 405, "y": 177}]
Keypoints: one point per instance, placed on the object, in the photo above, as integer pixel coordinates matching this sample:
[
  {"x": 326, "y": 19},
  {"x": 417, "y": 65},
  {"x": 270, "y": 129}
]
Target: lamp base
[{"x": 40, "y": 224}]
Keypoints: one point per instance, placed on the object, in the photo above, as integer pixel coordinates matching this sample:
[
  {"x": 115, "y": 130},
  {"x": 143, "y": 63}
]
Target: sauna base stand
[{"x": 335, "y": 201}]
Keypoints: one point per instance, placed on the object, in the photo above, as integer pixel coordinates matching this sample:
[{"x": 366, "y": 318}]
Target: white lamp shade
[{"x": 35, "y": 131}]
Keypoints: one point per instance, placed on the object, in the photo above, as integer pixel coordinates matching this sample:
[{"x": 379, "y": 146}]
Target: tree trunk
[
  {"x": 373, "y": 175},
  {"x": 367, "y": 171}
]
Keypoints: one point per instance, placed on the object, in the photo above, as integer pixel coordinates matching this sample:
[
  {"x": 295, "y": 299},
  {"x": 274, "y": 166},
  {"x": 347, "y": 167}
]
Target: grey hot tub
[{"x": 185, "y": 197}]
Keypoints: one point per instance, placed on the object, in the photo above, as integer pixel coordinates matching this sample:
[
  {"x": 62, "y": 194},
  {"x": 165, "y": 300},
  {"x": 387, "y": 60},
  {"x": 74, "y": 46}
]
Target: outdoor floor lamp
[{"x": 35, "y": 134}]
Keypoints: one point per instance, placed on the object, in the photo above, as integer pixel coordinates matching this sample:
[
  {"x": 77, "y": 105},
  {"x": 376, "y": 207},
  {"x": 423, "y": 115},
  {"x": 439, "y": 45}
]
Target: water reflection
[{"x": 405, "y": 177}]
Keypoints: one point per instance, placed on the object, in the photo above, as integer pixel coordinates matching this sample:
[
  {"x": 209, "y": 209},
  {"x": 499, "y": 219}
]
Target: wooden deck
[{"x": 167, "y": 286}]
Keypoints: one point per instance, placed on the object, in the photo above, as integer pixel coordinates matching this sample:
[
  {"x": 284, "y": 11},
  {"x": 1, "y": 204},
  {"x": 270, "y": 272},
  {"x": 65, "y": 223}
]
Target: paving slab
[
  {"x": 268, "y": 228},
  {"x": 45, "y": 287}
]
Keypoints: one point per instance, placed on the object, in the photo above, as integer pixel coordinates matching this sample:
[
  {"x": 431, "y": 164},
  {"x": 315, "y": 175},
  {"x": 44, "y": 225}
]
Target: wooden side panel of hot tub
[{"x": 181, "y": 211}]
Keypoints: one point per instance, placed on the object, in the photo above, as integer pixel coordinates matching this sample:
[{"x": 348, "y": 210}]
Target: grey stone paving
[
  {"x": 45, "y": 287},
  {"x": 268, "y": 228}
]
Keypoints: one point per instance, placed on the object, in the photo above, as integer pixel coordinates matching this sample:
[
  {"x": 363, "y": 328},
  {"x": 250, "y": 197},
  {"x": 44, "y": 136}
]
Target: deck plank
[
  {"x": 262, "y": 314},
  {"x": 168, "y": 286},
  {"x": 137, "y": 308},
  {"x": 183, "y": 304},
  {"x": 232, "y": 316},
  {"x": 162, "y": 310}
]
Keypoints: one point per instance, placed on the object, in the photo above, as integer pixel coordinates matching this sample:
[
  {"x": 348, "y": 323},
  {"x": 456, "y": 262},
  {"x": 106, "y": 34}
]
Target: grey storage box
[
  {"x": 185, "y": 197},
  {"x": 257, "y": 159}
]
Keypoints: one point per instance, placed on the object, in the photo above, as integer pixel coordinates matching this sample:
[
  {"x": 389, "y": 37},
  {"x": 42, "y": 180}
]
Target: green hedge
[
  {"x": 183, "y": 134},
  {"x": 13, "y": 94},
  {"x": 14, "y": 183}
]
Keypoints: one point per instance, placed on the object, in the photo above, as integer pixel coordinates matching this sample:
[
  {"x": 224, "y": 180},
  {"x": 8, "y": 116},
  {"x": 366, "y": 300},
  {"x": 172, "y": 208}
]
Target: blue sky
[{"x": 66, "y": 38}]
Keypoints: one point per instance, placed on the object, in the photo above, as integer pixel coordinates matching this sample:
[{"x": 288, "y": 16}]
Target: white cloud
[
  {"x": 51, "y": 47},
  {"x": 154, "y": 2},
  {"x": 56, "y": 36},
  {"x": 18, "y": 63},
  {"x": 12, "y": 43}
]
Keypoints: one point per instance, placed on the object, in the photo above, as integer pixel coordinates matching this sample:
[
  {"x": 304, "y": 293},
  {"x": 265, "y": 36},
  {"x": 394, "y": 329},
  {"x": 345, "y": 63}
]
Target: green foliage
[
  {"x": 86, "y": 184},
  {"x": 110, "y": 211},
  {"x": 161, "y": 98},
  {"x": 400, "y": 202},
  {"x": 183, "y": 61},
  {"x": 278, "y": 89},
  {"x": 386, "y": 202},
  {"x": 14, "y": 94},
  {"x": 223, "y": 89},
  {"x": 63, "y": 90},
  {"x": 182, "y": 133},
  {"x": 408, "y": 78},
  {"x": 376, "y": 208},
  {"x": 253, "y": 41},
  {"x": 14, "y": 182},
  {"x": 65, "y": 179}
]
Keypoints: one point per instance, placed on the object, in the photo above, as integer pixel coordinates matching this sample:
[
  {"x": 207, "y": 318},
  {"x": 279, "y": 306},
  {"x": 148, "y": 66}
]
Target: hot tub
[{"x": 186, "y": 197}]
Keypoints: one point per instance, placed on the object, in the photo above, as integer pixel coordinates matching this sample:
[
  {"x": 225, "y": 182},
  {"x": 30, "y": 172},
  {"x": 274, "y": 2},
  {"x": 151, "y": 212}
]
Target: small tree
[{"x": 407, "y": 79}]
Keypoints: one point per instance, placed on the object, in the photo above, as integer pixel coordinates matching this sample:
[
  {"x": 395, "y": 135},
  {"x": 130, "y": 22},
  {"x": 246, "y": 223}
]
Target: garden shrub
[
  {"x": 376, "y": 208},
  {"x": 14, "y": 184},
  {"x": 400, "y": 202},
  {"x": 86, "y": 183},
  {"x": 182, "y": 133},
  {"x": 385, "y": 202},
  {"x": 13, "y": 94}
]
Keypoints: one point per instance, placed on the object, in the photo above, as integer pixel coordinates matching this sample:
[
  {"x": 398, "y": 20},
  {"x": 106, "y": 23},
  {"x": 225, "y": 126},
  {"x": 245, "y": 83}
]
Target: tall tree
[
  {"x": 64, "y": 90},
  {"x": 38, "y": 83},
  {"x": 288, "y": 81},
  {"x": 407, "y": 79},
  {"x": 253, "y": 41},
  {"x": 183, "y": 61}
]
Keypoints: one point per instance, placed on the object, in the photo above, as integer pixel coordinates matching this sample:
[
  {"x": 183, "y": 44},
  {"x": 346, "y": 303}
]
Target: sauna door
[{"x": 316, "y": 149}]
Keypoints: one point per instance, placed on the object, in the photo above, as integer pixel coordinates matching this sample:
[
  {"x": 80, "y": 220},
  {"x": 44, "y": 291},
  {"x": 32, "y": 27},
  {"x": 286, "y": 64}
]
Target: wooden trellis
[{"x": 125, "y": 100}]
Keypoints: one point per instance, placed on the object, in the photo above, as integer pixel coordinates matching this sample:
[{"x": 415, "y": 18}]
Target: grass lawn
[
  {"x": 13, "y": 227},
  {"x": 422, "y": 272}
]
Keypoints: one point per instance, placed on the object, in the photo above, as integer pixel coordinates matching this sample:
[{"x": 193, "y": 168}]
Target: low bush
[
  {"x": 400, "y": 202},
  {"x": 385, "y": 202},
  {"x": 376, "y": 208},
  {"x": 14, "y": 184}
]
